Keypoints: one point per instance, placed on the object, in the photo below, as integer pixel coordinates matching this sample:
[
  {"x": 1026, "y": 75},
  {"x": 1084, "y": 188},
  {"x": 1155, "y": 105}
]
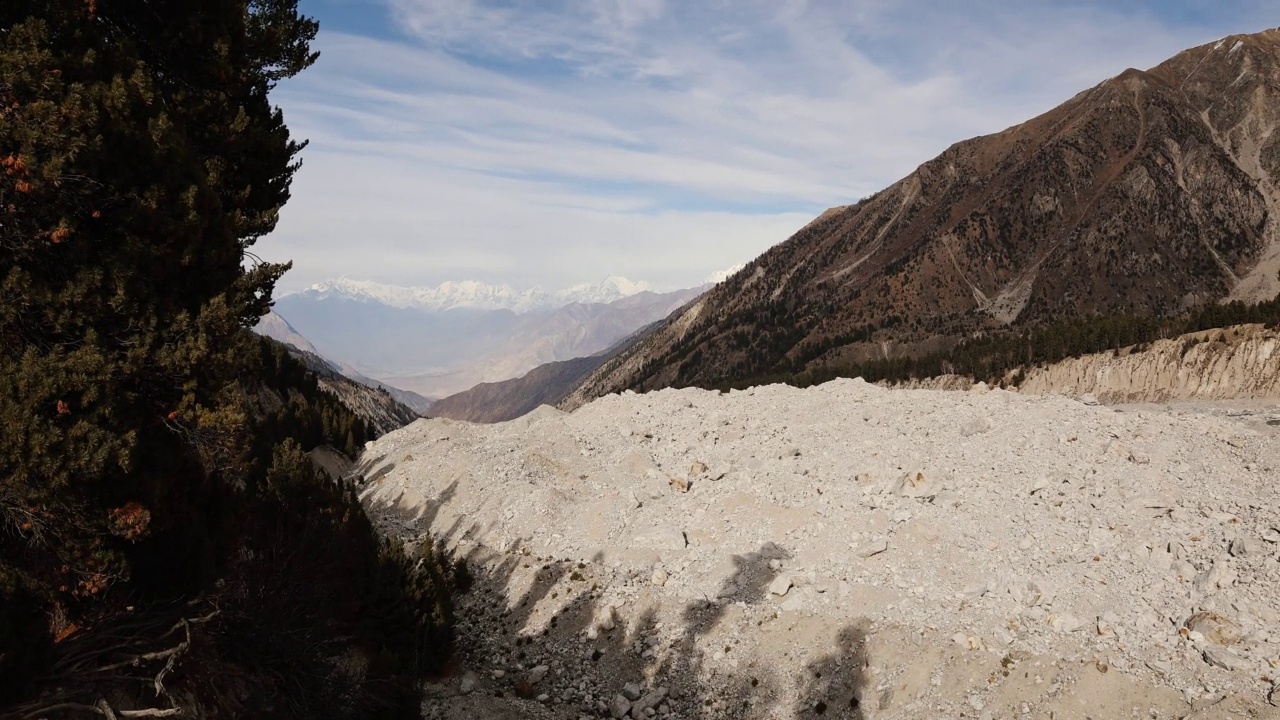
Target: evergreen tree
[{"x": 140, "y": 158}]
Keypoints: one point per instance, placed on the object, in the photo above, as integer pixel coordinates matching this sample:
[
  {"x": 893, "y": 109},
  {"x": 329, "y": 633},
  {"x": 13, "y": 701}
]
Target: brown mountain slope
[
  {"x": 505, "y": 400},
  {"x": 1151, "y": 193}
]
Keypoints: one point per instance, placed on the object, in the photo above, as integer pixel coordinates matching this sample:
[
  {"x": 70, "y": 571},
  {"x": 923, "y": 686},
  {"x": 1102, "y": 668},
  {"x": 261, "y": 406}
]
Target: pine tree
[{"x": 140, "y": 159}]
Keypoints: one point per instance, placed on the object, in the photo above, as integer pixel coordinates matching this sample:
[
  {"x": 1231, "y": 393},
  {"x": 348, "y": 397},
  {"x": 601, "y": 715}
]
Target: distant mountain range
[
  {"x": 1150, "y": 195},
  {"x": 442, "y": 340},
  {"x": 474, "y": 295}
]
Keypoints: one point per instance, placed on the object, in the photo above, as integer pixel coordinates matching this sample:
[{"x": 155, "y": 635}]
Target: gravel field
[{"x": 852, "y": 551}]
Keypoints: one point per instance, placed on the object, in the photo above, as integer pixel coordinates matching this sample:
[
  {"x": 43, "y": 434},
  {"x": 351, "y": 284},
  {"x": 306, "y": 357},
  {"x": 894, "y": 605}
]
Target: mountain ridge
[
  {"x": 477, "y": 295},
  {"x": 1151, "y": 193}
]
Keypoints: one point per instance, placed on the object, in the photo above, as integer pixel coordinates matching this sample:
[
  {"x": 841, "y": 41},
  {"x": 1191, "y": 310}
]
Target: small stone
[
  {"x": 1272, "y": 535},
  {"x": 499, "y": 674},
  {"x": 781, "y": 584},
  {"x": 680, "y": 484},
  {"x": 1065, "y": 623},
  {"x": 1246, "y": 546},
  {"x": 648, "y": 702},
  {"x": 1224, "y": 658},
  {"x": 872, "y": 548},
  {"x": 469, "y": 682},
  {"x": 608, "y": 618},
  {"x": 697, "y": 468},
  {"x": 1219, "y": 575},
  {"x": 659, "y": 577},
  {"x": 543, "y": 698},
  {"x": 1089, "y": 399},
  {"x": 619, "y": 707},
  {"x": 538, "y": 673},
  {"x": 631, "y": 691}
]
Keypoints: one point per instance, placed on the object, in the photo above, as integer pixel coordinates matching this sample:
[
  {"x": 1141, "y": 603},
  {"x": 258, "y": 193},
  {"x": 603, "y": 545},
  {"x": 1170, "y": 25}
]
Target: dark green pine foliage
[
  {"x": 991, "y": 356},
  {"x": 150, "y": 446}
]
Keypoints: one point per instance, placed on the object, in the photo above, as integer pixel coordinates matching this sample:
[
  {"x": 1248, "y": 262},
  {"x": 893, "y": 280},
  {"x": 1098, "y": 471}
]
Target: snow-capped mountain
[
  {"x": 722, "y": 275},
  {"x": 476, "y": 295},
  {"x": 440, "y": 340}
]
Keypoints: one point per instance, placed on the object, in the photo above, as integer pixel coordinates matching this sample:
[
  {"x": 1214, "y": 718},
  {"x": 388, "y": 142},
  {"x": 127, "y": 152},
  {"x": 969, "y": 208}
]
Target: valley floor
[{"x": 855, "y": 552}]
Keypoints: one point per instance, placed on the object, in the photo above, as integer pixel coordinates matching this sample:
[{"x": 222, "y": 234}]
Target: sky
[{"x": 554, "y": 142}]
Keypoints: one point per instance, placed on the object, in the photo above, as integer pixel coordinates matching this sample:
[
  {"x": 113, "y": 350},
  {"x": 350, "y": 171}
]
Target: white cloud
[{"x": 552, "y": 142}]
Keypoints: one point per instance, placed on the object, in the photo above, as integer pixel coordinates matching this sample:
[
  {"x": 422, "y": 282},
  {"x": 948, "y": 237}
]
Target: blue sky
[{"x": 550, "y": 142}]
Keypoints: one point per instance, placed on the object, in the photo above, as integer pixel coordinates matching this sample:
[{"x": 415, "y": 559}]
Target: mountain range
[
  {"x": 438, "y": 341},
  {"x": 475, "y": 295},
  {"x": 1151, "y": 194}
]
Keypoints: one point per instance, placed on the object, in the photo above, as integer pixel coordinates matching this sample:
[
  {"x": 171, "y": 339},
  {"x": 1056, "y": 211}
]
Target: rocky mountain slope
[
  {"x": 509, "y": 399},
  {"x": 277, "y": 328},
  {"x": 1152, "y": 192},
  {"x": 1229, "y": 363},
  {"x": 445, "y": 342},
  {"x": 375, "y": 405},
  {"x": 850, "y": 551}
]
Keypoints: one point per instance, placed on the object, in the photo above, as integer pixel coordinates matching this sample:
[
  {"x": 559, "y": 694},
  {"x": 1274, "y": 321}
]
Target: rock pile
[{"x": 851, "y": 551}]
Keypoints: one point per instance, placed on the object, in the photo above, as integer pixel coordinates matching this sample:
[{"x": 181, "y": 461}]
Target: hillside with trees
[
  {"x": 1154, "y": 194},
  {"x": 165, "y": 543}
]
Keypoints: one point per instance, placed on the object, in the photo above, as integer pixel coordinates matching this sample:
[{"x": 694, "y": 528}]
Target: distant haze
[{"x": 436, "y": 341}]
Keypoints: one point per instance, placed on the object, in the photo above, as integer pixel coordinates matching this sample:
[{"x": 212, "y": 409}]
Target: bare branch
[
  {"x": 150, "y": 712},
  {"x": 105, "y": 709}
]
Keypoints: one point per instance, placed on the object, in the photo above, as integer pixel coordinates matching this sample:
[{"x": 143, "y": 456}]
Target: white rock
[
  {"x": 1219, "y": 575},
  {"x": 1065, "y": 623},
  {"x": 781, "y": 584},
  {"x": 468, "y": 683},
  {"x": 538, "y": 673},
  {"x": 619, "y": 707},
  {"x": 659, "y": 577}
]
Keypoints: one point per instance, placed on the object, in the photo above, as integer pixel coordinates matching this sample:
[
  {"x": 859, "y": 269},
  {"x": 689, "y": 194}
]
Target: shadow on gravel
[{"x": 586, "y": 656}]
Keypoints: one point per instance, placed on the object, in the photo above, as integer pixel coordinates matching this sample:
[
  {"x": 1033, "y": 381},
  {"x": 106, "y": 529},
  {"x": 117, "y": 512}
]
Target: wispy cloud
[{"x": 557, "y": 141}]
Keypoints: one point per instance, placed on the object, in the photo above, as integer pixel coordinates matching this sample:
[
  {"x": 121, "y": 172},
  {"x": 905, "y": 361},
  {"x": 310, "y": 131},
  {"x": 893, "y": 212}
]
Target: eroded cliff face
[{"x": 1236, "y": 362}]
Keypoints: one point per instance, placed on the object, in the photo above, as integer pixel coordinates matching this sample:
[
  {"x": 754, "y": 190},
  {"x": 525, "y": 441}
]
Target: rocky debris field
[{"x": 851, "y": 551}]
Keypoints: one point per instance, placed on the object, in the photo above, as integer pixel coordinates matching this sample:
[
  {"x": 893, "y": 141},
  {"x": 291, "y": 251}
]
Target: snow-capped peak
[
  {"x": 611, "y": 289},
  {"x": 476, "y": 295},
  {"x": 722, "y": 275}
]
